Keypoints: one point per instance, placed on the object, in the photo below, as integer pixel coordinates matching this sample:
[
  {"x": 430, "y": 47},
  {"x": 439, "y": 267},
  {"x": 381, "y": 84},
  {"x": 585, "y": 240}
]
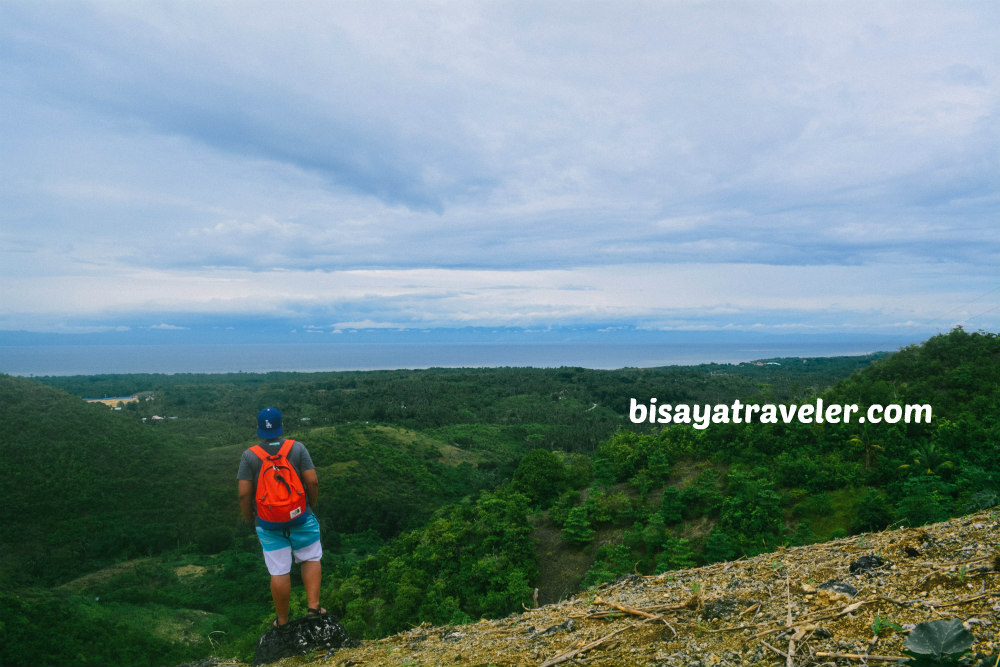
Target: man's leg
[
  {"x": 278, "y": 557},
  {"x": 308, "y": 550},
  {"x": 311, "y": 577},
  {"x": 281, "y": 591}
]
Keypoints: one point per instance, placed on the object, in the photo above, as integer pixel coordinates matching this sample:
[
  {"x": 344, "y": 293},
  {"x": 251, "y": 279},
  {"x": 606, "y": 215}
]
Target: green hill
[
  {"x": 683, "y": 496},
  {"x": 112, "y": 515},
  {"x": 450, "y": 494}
]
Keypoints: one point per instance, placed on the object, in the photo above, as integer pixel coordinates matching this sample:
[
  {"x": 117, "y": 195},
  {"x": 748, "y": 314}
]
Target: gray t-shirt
[{"x": 250, "y": 464}]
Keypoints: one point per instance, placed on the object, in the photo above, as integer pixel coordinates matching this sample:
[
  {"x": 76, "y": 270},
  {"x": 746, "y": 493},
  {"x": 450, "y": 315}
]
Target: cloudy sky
[{"x": 803, "y": 167}]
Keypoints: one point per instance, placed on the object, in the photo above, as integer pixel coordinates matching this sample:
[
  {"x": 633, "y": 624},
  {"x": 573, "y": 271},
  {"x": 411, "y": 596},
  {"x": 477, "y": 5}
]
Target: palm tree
[
  {"x": 870, "y": 447},
  {"x": 929, "y": 458}
]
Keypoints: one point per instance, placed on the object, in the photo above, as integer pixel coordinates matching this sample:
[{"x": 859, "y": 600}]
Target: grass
[{"x": 836, "y": 523}]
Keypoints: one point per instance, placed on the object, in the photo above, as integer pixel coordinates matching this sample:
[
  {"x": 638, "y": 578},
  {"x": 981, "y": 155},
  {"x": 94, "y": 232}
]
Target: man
[{"x": 299, "y": 538}]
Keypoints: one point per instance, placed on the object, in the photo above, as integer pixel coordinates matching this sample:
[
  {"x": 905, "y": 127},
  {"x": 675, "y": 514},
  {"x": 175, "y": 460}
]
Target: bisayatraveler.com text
[{"x": 737, "y": 412}]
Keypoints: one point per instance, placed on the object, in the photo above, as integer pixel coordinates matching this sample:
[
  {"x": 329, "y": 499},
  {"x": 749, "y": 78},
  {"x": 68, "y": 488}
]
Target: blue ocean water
[{"x": 258, "y": 358}]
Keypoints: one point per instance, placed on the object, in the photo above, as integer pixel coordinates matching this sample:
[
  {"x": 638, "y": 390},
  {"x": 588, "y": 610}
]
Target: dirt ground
[{"x": 847, "y": 602}]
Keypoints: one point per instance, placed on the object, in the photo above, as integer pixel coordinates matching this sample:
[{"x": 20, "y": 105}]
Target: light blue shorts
[{"x": 302, "y": 542}]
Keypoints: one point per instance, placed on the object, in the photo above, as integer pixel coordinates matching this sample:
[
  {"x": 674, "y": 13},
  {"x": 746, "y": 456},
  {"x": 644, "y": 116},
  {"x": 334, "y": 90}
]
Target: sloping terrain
[{"x": 797, "y": 606}]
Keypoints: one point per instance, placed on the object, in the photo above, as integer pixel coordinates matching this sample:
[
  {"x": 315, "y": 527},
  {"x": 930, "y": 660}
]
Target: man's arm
[
  {"x": 245, "y": 489},
  {"x": 312, "y": 486}
]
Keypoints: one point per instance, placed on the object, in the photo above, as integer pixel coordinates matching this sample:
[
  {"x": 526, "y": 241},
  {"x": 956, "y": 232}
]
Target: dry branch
[
  {"x": 627, "y": 610},
  {"x": 776, "y": 650},
  {"x": 583, "y": 649},
  {"x": 859, "y": 656},
  {"x": 955, "y": 604},
  {"x": 790, "y": 656}
]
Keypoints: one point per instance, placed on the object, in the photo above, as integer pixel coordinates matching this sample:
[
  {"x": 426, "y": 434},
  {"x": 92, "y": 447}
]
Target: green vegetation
[
  {"x": 471, "y": 560},
  {"x": 448, "y": 495},
  {"x": 940, "y": 642}
]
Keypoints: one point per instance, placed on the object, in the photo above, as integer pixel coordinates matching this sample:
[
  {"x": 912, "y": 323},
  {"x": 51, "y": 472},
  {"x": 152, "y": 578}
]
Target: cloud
[
  {"x": 444, "y": 165},
  {"x": 713, "y": 295}
]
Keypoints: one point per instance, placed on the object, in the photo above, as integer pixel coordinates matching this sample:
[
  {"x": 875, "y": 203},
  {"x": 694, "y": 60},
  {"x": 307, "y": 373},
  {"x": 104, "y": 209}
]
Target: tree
[
  {"x": 929, "y": 459},
  {"x": 924, "y": 500},
  {"x": 676, "y": 554},
  {"x": 541, "y": 476},
  {"x": 577, "y": 530},
  {"x": 751, "y": 513},
  {"x": 702, "y": 496},
  {"x": 873, "y": 512},
  {"x": 671, "y": 506},
  {"x": 869, "y": 447},
  {"x": 803, "y": 534},
  {"x": 611, "y": 563},
  {"x": 719, "y": 546}
]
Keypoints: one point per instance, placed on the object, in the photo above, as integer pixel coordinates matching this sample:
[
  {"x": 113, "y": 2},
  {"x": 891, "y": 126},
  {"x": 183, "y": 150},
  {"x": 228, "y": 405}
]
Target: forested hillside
[
  {"x": 451, "y": 494},
  {"x": 570, "y": 409},
  {"x": 686, "y": 496}
]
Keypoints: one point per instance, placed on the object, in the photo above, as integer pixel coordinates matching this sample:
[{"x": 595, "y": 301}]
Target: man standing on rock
[{"x": 293, "y": 534}]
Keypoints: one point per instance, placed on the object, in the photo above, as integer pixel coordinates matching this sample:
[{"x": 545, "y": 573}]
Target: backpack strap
[{"x": 262, "y": 454}]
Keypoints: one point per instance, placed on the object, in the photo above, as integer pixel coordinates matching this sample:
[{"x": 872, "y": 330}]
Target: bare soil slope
[{"x": 797, "y": 606}]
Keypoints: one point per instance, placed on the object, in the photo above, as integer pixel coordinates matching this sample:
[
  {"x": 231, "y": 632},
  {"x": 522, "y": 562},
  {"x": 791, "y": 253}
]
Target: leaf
[{"x": 940, "y": 638}]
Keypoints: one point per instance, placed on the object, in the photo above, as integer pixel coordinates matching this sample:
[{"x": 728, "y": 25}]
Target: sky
[{"x": 322, "y": 167}]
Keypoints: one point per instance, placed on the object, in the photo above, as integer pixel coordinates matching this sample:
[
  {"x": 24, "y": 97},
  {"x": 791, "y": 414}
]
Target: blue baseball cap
[{"x": 269, "y": 423}]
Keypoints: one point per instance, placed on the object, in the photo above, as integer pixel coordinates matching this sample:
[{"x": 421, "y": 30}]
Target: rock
[
  {"x": 568, "y": 626},
  {"x": 628, "y": 579},
  {"x": 724, "y": 607},
  {"x": 867, "y": 563},
  {"x": 838, "y": 586},
  {"x": 300, "y": 637}
]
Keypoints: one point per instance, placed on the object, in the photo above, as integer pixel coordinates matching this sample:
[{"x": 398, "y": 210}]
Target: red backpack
[{"x": 280, "y": 495}]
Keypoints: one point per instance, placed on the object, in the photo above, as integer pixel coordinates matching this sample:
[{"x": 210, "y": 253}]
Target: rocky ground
[{"x": 847, "y": 602}]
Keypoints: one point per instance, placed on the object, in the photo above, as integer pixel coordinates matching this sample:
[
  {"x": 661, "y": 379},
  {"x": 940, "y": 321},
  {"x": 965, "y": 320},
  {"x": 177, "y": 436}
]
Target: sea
[{"x": 48, "y": 360}]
